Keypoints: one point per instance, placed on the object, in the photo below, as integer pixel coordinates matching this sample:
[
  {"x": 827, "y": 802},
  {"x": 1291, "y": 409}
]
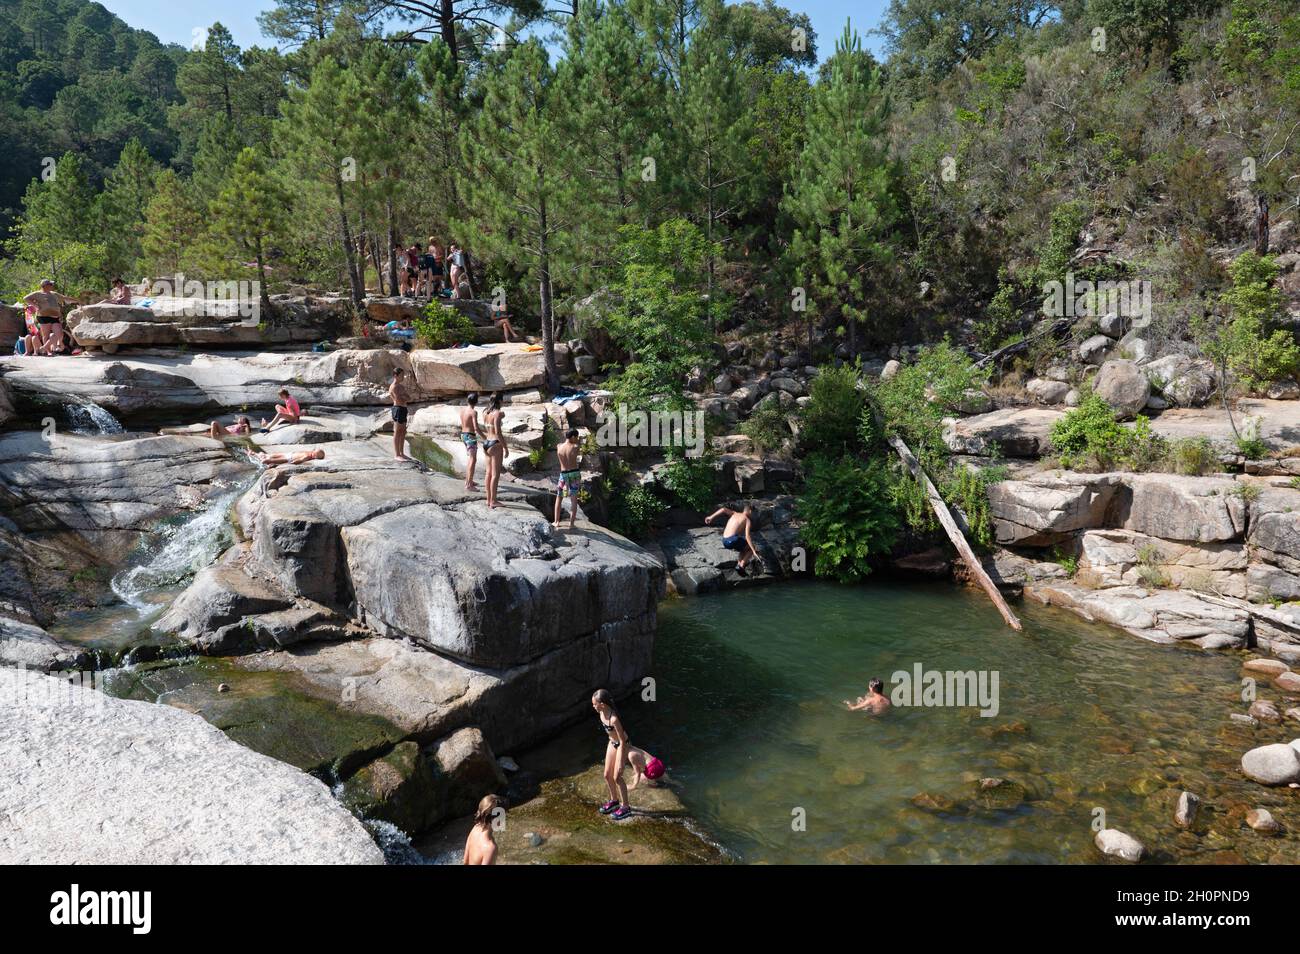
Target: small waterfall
[
  {"x": 180, "y": 550},
  {"x": 396, "y": 845},
  {"x": 87, "y": 415}
]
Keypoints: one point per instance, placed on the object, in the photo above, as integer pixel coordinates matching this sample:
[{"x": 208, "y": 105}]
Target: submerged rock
[
  {"x": 1189, "y": 807},
  {"x": 1262, "y": 820},
  {"x": 167, "y": 788},
  {"x": 1116, "y": 844}
]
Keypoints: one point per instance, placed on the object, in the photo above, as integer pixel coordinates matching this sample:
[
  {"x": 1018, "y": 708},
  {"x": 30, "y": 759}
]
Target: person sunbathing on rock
[
  {"x": 481, "y": 846},
  {"x": 289, "y": 412},
  {"x": 736, "y": 536},
  {"x": 875, "y": 701},
  {"x": 241, "y": 426},
  {"x": 275, "y": 460}
]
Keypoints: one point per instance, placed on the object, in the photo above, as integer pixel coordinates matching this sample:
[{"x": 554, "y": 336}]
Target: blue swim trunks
[{"x": 734, "y": 542}]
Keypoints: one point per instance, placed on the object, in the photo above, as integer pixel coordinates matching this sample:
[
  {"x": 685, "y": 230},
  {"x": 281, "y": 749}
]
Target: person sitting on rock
[
  {"x": 121, "y": 293},
  {"x": 481, "y": 846},
  {"x": 875, "y": 701},
  {"x": 289, "y": 412},
  {"x": 737, "y": 534},
  {"x": 502, "y": 321},
  {"x": 241, "y": 426},
  {"x": 570, "y": 484},
  {"x": 275, "y": 460},
  {"x": 49, "y": 316}
]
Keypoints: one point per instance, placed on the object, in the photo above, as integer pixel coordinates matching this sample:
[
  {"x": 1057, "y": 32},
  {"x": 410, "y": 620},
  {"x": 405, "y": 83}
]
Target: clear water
[
  {"x": 89, "y": 417},
  {"x": 750, "y": 722}
]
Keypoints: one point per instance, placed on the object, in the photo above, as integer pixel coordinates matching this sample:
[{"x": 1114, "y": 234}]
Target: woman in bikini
[
  {"x": 615, "y": 755},
  {"x": 494, "y": 447}
]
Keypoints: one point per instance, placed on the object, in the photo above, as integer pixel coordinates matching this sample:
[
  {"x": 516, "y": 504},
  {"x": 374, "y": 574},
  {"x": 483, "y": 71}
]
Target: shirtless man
[
  {"x": 49, "y": 315},
  {"x": 275, "y": 460},
  {"x": 480, "y": 846},
  {"x": 875, "y": 701},
  {"x": 397, "y": 393},
  {"x": 570, "y": 478},
  {"x": 736, "y": 535},
  {"x": 470, "y": 432}
]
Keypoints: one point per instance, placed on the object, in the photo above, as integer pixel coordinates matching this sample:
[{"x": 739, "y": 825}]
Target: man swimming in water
[
  {"x": 875, "y": 701},
  {"x": 570, "y": 478},
  {"x": 470, "y": 432},
  {"x": 397, "y": 394},
  {"x": 736, "y": 535}
]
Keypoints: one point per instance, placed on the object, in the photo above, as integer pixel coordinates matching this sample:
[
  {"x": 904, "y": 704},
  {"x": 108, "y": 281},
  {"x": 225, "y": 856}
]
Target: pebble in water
[
  {"x": 1265, "y": 711},
  {"x": 1189, "y": 806},
  {"x": 1116, "y": 844},
  {"x": 1262, "y": 820}
]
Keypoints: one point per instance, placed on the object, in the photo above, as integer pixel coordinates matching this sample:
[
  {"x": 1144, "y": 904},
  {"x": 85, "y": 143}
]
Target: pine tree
[
  {"x": 609, "y": 74},
  {"x": 714, "y": 128},
  {"x": 442, "y": 113},
  {"x": 251, "y": 211},
  {"x": 122, "y": 206},
  {"x": 840, "y": 199},
  {"x": 522, "y": 196},
  {"x": 173, "y": 222},
  {"x": 321, "y": 136},
  {"x": 58, "y": 235}
]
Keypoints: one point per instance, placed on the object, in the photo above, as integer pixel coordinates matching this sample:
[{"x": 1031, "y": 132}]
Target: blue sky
[{"x": 173, "y": 21}]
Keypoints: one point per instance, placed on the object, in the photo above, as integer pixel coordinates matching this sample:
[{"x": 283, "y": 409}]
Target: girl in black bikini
[{"x": 615, "y": 755}]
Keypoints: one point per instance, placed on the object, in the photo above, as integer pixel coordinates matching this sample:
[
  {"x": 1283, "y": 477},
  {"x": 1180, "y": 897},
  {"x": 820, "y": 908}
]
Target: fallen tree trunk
[{"x": 954, "y": 532}]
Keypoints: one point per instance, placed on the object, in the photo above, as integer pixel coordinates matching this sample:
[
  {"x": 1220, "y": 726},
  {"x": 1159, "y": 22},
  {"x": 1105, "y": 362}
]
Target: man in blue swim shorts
[{"x": 736, "y": 535}]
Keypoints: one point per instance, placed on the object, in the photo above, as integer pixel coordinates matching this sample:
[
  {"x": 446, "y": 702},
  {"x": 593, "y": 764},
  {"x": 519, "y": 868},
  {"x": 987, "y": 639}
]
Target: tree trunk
[
  {"x": 392, "y": 254},
  {"x": 447, "y": 23},
  {"x": 544, "y": 294},
  {"x": 1261, "y": 225},
  {"x": 345, "y": 233},
  {"x": 954, "y": 532},
  {"x": 261, "y": 281}
]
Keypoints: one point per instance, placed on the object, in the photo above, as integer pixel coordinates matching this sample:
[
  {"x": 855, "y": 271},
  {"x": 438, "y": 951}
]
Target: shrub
[
  {"x": 1193, "y": 456},
  {"x": 689, "y": 480},
  {"x": 1089, "y": 436},
  {"x": 828, "y": 423},
  {"x": 1249, "y": 444},
  {"x": 438, "y": 326},
  {"x": 848, "y": 515},
  {"x": 1249, "y": 345},
  {"x": 632, "y": 509},
  {"x": 767, "y": 427}
]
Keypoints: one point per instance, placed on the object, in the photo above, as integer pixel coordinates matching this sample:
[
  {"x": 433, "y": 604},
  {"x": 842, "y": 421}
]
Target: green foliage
[
  {"x": 1249, "y": 444},
  {"x": 689, "y": 480},
  {"x": 1066, "y": 561},
  {"x": 439, "y": 326},
  {"x": 1089, "y": 437},
  {"x": 633, "y": 507},
  {"x": 661, "y": 318},
  {"x": 848, "y": 516},
  {"x": 829, "y": 422},
  {"x": 1193, "y": 456},
  {"x": 913, "y": 403},
  {"x": 767, "y": 427}
]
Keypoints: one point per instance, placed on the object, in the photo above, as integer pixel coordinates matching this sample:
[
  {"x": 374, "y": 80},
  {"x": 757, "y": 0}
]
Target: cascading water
[
  {"x": 87, "y": 415},
  {"x": 180, "y": 550}
]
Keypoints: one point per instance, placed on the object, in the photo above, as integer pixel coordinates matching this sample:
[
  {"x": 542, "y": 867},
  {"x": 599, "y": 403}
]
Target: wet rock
[
  {"x": 1276, "y": 764},
  {"x": 1189, "y": 806},
  {"x": 397, "y": 788},
  {"x": 1287, "y": 681},
  {"x": 1269, "y": 668},
  {"x": 1116, "y": 844},
  {"x": 999, "y": 794},
  {"x": 1161, "y": 616},
  {"x": 935, "y": 803},
  {"x": 1262, "y": 820},
  {"x": 1293, "y": 713},
  {"x": 1123, "y": 386},
  {"x": 466, "y": 770},
  {"x": 1265, "y": 711},
  {"x": 1242, "y": 719}
]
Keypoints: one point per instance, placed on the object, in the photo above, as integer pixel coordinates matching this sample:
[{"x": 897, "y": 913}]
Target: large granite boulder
[
  {"x": 166, "y": 788},
  {"x": 1048, "y": 508},
  {"x": 1275, "y": 528},
  {"x": 1123, "y": 386},
  {"x": 1192, "y": 509},
  {"x": 1010, "y": 432},
  {"x": 505, "y": 367},
  {"x": 1182, "y": 380},
  {"x": 88, "y": 483},
  {"x": 1121, "y": 557}
]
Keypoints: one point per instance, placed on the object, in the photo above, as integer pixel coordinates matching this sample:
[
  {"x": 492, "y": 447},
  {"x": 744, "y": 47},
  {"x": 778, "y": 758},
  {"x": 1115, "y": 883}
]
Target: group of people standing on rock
[
  {"x": 620, "y": 754},
  {"x": 426, "y": 270}
]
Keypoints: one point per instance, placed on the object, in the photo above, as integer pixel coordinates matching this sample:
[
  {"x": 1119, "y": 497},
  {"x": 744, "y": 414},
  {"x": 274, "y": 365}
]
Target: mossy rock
[{"x": 398, "y": 788}]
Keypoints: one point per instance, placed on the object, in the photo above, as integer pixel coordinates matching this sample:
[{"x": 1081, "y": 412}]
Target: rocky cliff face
[{"x": 1167, "y": 557}]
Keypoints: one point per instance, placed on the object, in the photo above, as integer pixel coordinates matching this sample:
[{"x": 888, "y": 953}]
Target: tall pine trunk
[
  {"x": 392, "y": 254},
  {"x": 345, "y": 233},
  {"x": 544, "y": 293}
]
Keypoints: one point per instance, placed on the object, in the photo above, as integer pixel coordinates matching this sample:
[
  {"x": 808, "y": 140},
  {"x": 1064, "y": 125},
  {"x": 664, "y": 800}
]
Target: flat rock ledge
[{"x": 166, "y": 788}]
